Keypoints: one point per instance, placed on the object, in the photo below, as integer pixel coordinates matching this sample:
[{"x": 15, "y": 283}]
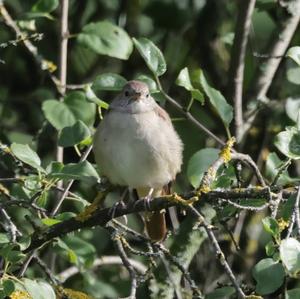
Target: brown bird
[{"x": 136, "y": 145}]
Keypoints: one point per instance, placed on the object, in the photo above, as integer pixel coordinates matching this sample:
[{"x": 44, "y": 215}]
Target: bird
[{"x": 136, "y": 145}]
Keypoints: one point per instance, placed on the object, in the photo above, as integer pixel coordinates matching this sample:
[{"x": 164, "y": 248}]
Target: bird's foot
[
  {"x": 113, "y": 209},
  {"x": 147, "y": 199}
]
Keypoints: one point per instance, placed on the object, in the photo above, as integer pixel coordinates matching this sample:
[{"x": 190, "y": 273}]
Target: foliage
[{"x": 227, "y": 210}]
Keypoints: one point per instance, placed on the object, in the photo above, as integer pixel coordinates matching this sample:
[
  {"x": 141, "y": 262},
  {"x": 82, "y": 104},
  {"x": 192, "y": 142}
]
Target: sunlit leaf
[
  {"x": 39, "y": 289},
  {"x": 217, "y": 100},
  {"x": 77, "y": 171},
  {"x": 288, "y": 142},
  {"x": 109, "y": 81},
  {"x": 271, "y": 226},
  {"x": 150, "y": 82},
  {"x": 292, "y": 108},
  {"x": 184, "y": 81},
  {"x": 24, "y": 153},
  {"x": 294, "y": 53},
  {"x": 58, "y": 114},
  {"x": 290, "y": 255},
  {"x": 152, "y": 55},
  {"x": 106, "y": 38}
]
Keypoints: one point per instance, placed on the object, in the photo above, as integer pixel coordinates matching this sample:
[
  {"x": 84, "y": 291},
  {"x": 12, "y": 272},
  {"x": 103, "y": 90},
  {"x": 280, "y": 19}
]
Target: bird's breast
[{"x": 133, "y": 149}]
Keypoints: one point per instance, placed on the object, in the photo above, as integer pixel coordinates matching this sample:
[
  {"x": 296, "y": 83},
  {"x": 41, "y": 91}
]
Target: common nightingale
[{"x": 137, "y": 146}]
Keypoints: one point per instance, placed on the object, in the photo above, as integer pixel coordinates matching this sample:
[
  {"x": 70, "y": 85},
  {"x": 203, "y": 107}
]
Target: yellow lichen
[
  {"x": 72, "y": 294},
  {"x": 89, "y": 210},
  {"x": 283, "y": 224},
  {"x": 204, "y": 189},
  {"x": 226, "y": 151},
  {"x": 20, "y": 295},
  {"x": 49, "y": 65},
  {"x": 179, "y": 200}
]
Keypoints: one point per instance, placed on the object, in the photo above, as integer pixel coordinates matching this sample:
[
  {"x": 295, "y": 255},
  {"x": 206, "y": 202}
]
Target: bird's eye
[
  {"x": 126, "y": 93},
  {"x": 147, "y": 95}
]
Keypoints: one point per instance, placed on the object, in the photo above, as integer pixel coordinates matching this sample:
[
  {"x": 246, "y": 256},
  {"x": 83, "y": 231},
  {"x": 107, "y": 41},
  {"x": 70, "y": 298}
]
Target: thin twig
[
  {"x": 63, "y": 55},
  {"x": 43, "y": 63},
  {"x": 46, "y": 269},
  {"x": 237, "y": 63},
  {"x": 103, "y": 260},
  {"x": 246, "y": 158},
  {"x": 65, "y": 193},
  {"x": 219, "y": 253},
  {"x": 13, "y": 230},
  {"x": 243, "y": 207},
  {"x": 188, "y": 115},
  {"x": 126, "y": 263},
  {"x": 26, "y": 263}
]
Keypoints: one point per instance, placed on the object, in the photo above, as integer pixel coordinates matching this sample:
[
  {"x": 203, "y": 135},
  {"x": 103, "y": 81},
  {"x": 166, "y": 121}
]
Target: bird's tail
[{"x": 155, "y": 222}]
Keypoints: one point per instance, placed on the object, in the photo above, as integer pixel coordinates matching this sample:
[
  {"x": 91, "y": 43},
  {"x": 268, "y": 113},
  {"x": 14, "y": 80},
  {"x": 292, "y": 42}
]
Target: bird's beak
[{"x": 136, "y": 96}]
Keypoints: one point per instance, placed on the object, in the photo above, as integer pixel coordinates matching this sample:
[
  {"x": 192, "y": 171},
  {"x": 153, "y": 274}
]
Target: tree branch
[
  {"x": 237, "y": 63},
  {"x": 64, "y": 35},
  {"x": 100, "y": 217}
]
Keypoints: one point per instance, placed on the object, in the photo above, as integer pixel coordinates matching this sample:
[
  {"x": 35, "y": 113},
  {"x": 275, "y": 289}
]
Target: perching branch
[{"x": 237, "y": 63}]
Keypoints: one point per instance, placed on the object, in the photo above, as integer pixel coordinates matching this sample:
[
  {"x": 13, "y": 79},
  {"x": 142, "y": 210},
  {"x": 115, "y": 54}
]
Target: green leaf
[
  {"x": 73, "y": 135},
  {"x": 290, "y": 255},
  {"x": 24, "y": 242},
  {"x": 24, "y": 153},
  {"x": 271, "y": 226},
  {"x": 80, "y": 107},
  {"x": 294, "y": 53},
  {"x": 184, "y": 81},
  {"x": 8, "y": 286},
  {"x": 288, "y": 142},
  {"x": 292, "y": 108},
  {"x": 293, "y": 294},
  {"x": 76, "y": 171},
  {"x": 65, "y": 114},
  {"x": 50, "y": 221},
  {"x": 85, "y": 251},
  {"x": 217, "y": 100},
  {"x": 221, "y": 293},
  {"x": 39, "y": 289},
  {"x": 150, "y": 82},
  {"x": 109, "y": 81},
  {"x": 105, "y": 38},
  {"x": 58, "y": 114},
  {"x": 152, "y": 55},
  {"x": 199, "y": 164},
  {"x": 4, "y": 238},
  {"x": 273, "y": 164},
  {"x": 45, "y": 6},
  {"x": 269, "y": 276},
  {"x": 270, "y": 248},
  {"x": 70, "y": 253},
  {"x": 293, "y": 74},
  {"x": 91, "y": 97}
]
